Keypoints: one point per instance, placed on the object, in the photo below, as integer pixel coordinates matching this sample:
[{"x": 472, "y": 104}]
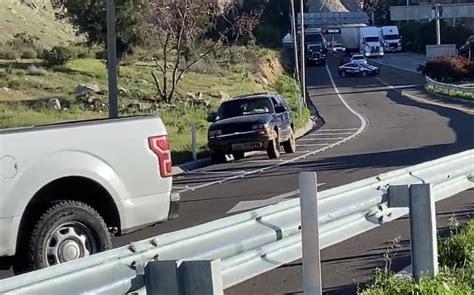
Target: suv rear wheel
[
  {"x": 290, "y": 145},
  {"x": 273, "y": 149},
  {"x": 218, "y": 157},
  {"x": 238, "y": 155},
  {"x": 67, "y": 231}
]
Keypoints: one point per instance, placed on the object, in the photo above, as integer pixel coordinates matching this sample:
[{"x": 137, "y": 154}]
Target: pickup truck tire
[
  {"x": 273, "y": 149},
  {"x": 218, "y": 157},
  {"x": 68, "y": 230},
  {"x": 290, "y": 145}
]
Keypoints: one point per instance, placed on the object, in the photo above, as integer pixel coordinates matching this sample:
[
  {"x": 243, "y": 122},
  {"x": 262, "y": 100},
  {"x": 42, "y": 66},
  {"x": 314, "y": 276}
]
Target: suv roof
[{"x": 255, "y": 95}]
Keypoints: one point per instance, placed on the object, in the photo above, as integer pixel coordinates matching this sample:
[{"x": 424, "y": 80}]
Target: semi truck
[
  {"x": 315, "y": 47},
  {"x": 363, "y": 40},
  {"x": 391, "y": 39}
]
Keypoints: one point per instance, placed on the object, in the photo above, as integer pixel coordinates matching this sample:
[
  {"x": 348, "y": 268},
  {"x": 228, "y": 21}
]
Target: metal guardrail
[
  {"x": 253, "y": 242},
  {"x": 445, "y": 86}
]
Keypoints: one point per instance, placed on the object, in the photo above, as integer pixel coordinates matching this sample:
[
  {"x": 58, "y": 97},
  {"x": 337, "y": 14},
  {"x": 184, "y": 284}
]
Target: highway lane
[
  {"x": 213, "y": 200},
  {"x": 402, "y": 132}
]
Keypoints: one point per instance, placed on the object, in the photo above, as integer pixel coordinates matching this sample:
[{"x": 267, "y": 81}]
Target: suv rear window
[{"x": 243, "y": 107}]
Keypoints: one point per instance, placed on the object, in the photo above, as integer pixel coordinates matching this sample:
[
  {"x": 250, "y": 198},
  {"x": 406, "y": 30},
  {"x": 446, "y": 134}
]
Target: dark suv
[{"x": 250, "y": 123}]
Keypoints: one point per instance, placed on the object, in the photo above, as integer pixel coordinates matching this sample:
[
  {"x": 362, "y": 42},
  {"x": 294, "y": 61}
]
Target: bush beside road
[{"x": 456, "y": 258}]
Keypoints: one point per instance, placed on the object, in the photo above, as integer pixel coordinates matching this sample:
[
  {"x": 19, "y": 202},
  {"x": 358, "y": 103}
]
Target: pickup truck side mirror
[
  {"x": 280, "y": 109},
  {"x": 212, "y": 117}
]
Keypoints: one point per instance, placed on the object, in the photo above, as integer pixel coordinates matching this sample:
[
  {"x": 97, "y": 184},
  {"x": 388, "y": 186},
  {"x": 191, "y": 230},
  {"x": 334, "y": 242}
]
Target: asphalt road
[{"x": 370, "y": 128}]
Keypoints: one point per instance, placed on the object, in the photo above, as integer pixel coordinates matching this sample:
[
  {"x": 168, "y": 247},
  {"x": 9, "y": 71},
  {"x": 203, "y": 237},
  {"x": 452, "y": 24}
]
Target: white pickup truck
[{"x": 65, "y": 188}]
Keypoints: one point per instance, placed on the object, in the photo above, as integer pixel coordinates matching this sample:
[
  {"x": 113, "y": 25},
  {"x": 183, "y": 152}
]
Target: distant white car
[
  {"x": 338, "y": 48},
  {"x": 358, "y": 59}
]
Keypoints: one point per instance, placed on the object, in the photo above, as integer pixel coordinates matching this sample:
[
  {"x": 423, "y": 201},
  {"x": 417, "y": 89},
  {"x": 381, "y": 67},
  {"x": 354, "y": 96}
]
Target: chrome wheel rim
[{"x": 69, "y": 241}]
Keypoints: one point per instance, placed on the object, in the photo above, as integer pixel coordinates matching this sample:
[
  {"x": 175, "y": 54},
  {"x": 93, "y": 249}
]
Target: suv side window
[
  {"x": 282, "y": 102},
  {"x": 275, "y": 101}
]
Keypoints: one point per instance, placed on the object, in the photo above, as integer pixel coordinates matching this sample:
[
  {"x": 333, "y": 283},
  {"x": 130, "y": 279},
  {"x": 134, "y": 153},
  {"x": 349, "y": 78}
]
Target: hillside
[{"x": 36, "y": 17}]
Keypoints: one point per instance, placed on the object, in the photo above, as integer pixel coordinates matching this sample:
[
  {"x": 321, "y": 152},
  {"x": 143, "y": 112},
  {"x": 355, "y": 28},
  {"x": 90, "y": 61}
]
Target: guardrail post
[
  {"x": 310, "y": 233},
  {"x": 193, "y": 141},
  {"x": 424, "y": 247},
  {"x": 184, "y": 277},
  {"x": 201, "y": 277},
  {"x": 161, "y": 277}
]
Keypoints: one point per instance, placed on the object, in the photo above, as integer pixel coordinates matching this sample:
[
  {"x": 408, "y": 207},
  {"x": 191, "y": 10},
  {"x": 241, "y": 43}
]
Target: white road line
[
  {"x": 364, "y": 125},
  {"x": 396, "y": 67},
  {"x": 313, "y": 144},
  {"x": 341, "y": 129},
  {"x": 320, "y": 138},
  {"x": 216, "y": 172},
  {"x": 254, "y": 204},
  {"x": 414, "y": 97},
  {"x": 327, "y": 134}
]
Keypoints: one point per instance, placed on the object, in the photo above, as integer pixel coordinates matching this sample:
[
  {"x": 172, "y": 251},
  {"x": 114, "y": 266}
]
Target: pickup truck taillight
[{"x": 160, "y": 146}]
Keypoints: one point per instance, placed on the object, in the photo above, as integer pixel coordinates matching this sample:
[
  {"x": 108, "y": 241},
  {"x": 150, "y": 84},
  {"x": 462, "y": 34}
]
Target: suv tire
[
  {"x": 290, "y": 145},
  {"x": 273, "y": 149}
]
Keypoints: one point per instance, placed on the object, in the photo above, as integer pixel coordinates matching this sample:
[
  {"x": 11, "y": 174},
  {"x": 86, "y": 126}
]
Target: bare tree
[{"x": 183, "y": 30}]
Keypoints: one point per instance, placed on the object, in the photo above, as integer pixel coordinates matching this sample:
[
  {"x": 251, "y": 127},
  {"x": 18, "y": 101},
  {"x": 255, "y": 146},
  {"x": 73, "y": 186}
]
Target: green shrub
[
  {"x": 6, "y": 52},
  {"x": 57, "y": 56},
  {"x": 29, "y": 53},
  {"x": 449, "y": 69},
  {"x": 14, "y": 84}
]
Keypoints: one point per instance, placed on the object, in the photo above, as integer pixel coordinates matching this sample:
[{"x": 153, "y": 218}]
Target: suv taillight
[{"x": 161, "y": 148}]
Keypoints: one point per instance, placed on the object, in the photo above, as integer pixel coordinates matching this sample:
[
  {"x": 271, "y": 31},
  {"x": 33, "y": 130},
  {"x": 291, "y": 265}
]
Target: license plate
[{"x": 238, "y": 146}]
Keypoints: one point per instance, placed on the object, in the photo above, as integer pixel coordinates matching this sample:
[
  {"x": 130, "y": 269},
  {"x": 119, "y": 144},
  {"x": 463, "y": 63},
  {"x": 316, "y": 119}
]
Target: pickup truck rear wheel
[
  {"x": 67, "y": 231},
  {"x": 273, "y": 149},
  {"x": 290, "y": 145}
]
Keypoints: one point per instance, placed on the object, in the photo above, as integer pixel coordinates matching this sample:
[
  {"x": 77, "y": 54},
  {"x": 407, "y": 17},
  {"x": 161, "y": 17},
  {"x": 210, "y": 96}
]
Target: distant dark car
[
  {"x": 315, "y": 55},
  {"x": 355, "y": 69},
  {"x": 249, "y": 123}
]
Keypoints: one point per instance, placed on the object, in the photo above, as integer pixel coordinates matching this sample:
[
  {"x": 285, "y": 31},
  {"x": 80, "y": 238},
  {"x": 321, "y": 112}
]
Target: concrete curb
[{"x": 189, "y": 166}]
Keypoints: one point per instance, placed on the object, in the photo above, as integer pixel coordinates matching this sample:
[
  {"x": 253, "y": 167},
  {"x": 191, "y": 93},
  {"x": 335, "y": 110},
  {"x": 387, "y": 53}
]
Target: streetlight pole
[
  {"x": 295, "y": 44},
  {"x": 302, "y": 56},
  {"x": 112, "y": 59},
  {"x": 438, "y": 25}
]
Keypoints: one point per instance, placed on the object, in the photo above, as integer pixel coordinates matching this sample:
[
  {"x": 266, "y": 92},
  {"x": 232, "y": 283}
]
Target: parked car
[
  {"x": 354, "y": 69},
  {"x": 65, "y": 188},
  {"x": 249, "y": 123},
  {"x": 359, "y": 59},
  {"x": 337, "y": 47}
]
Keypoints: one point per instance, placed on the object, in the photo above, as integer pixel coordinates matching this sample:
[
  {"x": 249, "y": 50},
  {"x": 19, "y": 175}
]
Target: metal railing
[
  {"x": 445, "y": 86},
  {"x": 243, "y": 246}
]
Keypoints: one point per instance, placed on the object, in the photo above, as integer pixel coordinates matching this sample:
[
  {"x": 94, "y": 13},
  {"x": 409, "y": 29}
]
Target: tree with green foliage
[{"x": 90, "y": 17}]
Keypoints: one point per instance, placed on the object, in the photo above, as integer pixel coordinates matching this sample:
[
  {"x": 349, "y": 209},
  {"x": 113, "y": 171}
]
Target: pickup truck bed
[{"x": 65, "y": 187}]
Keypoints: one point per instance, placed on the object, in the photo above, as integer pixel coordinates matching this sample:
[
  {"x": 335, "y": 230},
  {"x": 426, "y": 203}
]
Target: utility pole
[
  {"x": 112, "y": 59},
  {"x": 295, "y": 44},
  {"x": 302, "y": 58},
  {"x": 438, "y": 25}
]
